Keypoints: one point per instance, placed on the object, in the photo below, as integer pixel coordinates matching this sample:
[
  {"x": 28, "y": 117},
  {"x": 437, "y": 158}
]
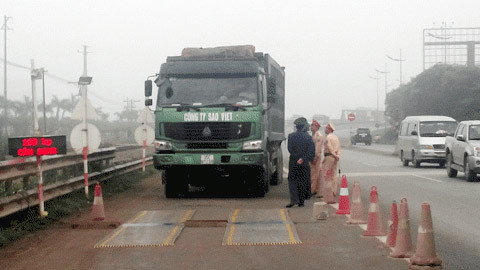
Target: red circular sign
[{"x": 351, "y": 117}]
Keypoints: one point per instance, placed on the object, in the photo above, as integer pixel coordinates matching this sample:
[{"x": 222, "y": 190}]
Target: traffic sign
[
  {"x": 79, "y": 110},
  {"x": 351, "y": 117},
  {"x": 37, "y": 146},
  {"x": 146, "y": 133},
  {"x": 78, "y": 140}
]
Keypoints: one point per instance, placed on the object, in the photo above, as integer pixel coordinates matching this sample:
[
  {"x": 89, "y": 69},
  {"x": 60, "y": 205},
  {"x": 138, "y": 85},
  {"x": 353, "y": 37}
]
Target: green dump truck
[{"x": 219, "y": 117}]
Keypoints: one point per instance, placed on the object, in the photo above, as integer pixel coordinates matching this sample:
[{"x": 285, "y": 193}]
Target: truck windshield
[
  {"x": 208, "y": 91},
  {"x": 437, "y": 128},
  {"x": 474, "y": 132}
]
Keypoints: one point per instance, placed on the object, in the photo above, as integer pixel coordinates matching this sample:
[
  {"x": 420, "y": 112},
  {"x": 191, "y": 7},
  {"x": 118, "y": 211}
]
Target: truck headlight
[
  {"x": 476, "y": 151},
  {"x": 425, "y": 146},
  {"x": 162, "y": 145},
  {"x": 252, "y": 145}
]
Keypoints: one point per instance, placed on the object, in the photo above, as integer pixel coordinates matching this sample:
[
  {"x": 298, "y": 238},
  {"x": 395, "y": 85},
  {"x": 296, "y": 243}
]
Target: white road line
[
  {"x": 427, "y": 178},
  {"x": 369, "y": 174},
  {"x": 368, "y": 164}
]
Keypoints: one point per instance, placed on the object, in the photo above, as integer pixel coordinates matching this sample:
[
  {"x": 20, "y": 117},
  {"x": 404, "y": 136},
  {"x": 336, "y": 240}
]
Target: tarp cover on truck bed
[{"x": 226, "y": 52}]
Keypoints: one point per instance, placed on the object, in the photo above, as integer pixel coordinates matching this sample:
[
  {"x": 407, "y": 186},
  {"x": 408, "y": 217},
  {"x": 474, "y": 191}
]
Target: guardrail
[
  {"x": 62, "y": 174},
  {"x": 27, "y": 198}
]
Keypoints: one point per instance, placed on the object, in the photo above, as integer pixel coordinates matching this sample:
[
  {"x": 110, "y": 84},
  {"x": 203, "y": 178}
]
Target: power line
[{"x": 130, "y": 103}]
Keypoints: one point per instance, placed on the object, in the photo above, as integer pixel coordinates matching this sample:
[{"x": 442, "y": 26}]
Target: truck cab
[
  {"x": 463, "y": 150},
  {"x": 219, "y": 117}
]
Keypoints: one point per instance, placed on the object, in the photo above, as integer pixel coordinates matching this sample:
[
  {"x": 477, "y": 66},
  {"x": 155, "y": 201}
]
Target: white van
[{"x": 422, "y": 139}]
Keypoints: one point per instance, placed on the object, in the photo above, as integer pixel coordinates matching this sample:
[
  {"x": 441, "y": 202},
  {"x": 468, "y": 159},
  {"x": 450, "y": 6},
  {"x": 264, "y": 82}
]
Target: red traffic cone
[
  {"x": 374, "y": 226},
  {"x": 328, "y": 188},
  {"x": 403, "y": 245},
  {"x": 425, "y": 254},
  {"x": 392, "y": 226},
  {"x": 98, "y": 213},
  {"x": 344, "y": 200},
  {"x": 356, "y": 215}
]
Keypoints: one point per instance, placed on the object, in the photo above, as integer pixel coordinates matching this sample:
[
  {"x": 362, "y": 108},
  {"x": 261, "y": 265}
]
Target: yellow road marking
[
  {"x": 121, "y": 229},
  {"x": 175, "y": 230},
  {"x": 170, "y": 237},
  {"x": 282, "y": 212},
  {"x": 232, "y": 228},
  {"x": 289, "y": 228},
  {"x": 234, "y": 216}
]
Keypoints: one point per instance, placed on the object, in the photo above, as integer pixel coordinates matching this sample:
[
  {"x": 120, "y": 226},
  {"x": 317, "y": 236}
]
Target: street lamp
[
  {"x": 376, "y": 78},
  {"x": 386, "y": 85},
  {"x": 399, "y": 60}
]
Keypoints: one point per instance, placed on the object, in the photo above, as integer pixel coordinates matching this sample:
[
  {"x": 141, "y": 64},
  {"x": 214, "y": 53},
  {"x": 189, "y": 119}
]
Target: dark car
[{"x": 362, "y": 136}]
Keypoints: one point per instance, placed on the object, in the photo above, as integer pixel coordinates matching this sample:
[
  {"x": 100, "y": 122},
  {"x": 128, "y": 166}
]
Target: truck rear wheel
[
  {"x": 175, "y": 183},
  {"x": 402, "y": 158},
  {"x": 277, "y": 177}
]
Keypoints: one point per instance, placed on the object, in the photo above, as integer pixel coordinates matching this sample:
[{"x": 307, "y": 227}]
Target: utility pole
[
  {"x": 130, "y": 103},
  {"x": 34, "y": 76},
  {"x": 399, "y": 60},
  {"x": 85, "y": 124},
  {"x": 5, "y": 28},
  {"x": 385, "y": 72}
]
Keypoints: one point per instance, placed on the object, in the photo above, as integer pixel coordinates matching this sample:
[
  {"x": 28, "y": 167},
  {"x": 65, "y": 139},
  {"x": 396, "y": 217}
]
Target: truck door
[{"x": 457, "y": 145}]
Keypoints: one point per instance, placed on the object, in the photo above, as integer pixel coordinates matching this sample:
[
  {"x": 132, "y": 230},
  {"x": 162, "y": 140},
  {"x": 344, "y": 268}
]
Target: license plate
[{"x": 207, "y": 159}]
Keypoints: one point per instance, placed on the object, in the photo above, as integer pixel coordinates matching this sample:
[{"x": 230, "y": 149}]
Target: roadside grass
[{"x": 27, "y": 221}]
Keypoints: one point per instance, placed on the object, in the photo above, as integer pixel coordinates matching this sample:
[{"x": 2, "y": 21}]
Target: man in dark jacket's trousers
[{"x": 302, "y": 152}]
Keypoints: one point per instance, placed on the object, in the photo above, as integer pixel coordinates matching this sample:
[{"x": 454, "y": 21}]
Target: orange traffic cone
[
  {"x": 327, "y": 189},
  {"x": 403, "y": 245},
  {"x": 392, "y": 226},
  {"x": 98, "y": 213},
  {"x": 356, "y": 216},
  {"x": 374, "y": 226},
  {"x": 425, "y": 254},
  {"x": 344, "y": 200}
]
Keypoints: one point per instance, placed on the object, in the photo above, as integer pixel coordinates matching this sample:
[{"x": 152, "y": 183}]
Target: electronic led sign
[{"x": 37, "y": 146}]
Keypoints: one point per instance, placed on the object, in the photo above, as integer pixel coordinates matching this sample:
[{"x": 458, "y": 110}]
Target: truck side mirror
[
  {"x": 414, "y": 133},
  {"x": 148, "y": 88},
  {"x": 148, "y": 102},
  {"x": 460, "y": 138},
  {"x": 271, "y": 90}
]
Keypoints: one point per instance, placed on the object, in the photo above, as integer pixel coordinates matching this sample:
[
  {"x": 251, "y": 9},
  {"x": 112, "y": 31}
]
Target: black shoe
[
  {"x": 301, "y": 205},
  {"x": 289, "y": 205}
]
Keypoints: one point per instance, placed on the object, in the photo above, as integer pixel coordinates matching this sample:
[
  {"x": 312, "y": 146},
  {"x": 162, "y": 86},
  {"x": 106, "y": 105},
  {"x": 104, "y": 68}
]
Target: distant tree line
[
  {"x": 58, "y": 111},
  {"x": 449, "y": 90}
]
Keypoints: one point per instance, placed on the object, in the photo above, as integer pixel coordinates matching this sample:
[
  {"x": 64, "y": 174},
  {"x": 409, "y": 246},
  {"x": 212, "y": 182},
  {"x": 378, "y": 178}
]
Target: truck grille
[
  {"x": 209, "y": 145},
  {"x": 439, "y": 146},
  {"x": 201, "y": 131}
]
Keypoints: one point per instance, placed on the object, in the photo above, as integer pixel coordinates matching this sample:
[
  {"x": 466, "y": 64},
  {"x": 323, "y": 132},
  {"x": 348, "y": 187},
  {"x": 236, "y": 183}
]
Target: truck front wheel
[
  {"x": 175, "y": 183},
  {"x": 469, "y": 174},
  {"x": 277, "y": 177},
  {"x": 257, "y": 182}
]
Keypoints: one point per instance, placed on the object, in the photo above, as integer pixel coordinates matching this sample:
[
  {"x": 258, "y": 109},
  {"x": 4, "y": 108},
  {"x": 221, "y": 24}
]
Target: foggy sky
[{"x": 328, "y": 48}]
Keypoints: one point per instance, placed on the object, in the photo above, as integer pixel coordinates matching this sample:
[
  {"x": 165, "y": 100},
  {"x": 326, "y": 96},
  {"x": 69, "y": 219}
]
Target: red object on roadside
[
  {"x": 98, "y": 212},
  {"x": 356, "y": 215},
  {"x": 403, "y": 245},
  {"x": 425, "y": 254},
  {"x": 374, "y": 226},
  {"x": 392, "y": 226},
  {"x": 344, "y": 200}
]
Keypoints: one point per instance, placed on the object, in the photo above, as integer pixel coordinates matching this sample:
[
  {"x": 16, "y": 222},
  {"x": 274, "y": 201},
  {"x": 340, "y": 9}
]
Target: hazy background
[{"x": 328, "y": 48}]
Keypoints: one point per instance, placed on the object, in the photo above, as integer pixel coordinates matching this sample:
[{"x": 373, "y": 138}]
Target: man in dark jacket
[{"x": 302, "y": 152}]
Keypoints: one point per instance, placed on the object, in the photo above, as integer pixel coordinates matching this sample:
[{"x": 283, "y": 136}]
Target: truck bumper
[
  {"x": 474, "y": 163},
  {"x": 165, "y": 161},
  {"x": 431, "y": 156}
]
